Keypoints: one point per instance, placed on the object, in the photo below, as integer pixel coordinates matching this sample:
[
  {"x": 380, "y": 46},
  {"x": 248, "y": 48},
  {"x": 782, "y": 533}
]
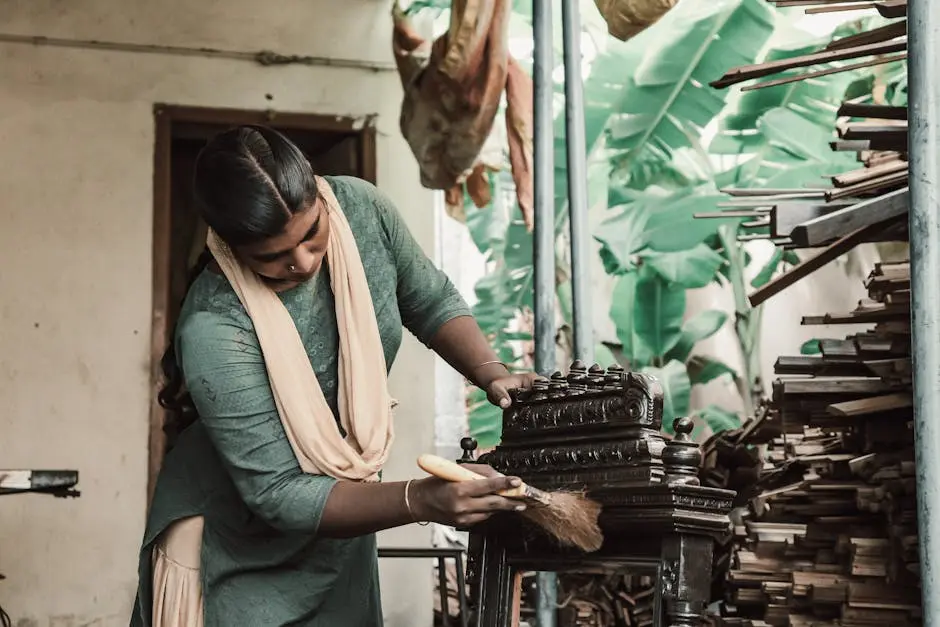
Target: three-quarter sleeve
[
  {"x": 426, "y": 296},
  {"x": 226, "y": 376}
]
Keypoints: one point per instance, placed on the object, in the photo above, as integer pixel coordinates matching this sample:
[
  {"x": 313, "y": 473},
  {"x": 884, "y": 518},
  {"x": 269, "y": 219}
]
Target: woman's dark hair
[{"x": 248, "y": 183}]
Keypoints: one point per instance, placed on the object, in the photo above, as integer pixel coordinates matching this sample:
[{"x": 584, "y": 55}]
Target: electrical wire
[{"x": 262, "y": 57}]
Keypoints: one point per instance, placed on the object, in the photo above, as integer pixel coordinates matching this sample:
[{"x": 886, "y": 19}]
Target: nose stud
[{"x": 292, "y": 269}]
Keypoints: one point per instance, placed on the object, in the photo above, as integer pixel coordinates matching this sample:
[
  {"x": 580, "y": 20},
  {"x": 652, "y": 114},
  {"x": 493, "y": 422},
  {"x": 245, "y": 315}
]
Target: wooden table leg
[
  {"x": 685, "y": 575},
  {"x": 516, "y": 599}
]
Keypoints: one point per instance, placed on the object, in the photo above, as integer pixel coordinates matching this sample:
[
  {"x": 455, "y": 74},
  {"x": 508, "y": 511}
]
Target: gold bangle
[
  {"x": 487, "y": 363},
  {"x": 480, "y": 384}
]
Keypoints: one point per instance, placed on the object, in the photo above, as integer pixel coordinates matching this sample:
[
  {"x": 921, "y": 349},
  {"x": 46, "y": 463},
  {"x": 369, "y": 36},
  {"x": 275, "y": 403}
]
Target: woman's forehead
[{"x": 295, "y": 232}]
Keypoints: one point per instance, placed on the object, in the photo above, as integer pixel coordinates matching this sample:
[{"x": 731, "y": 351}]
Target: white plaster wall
[
  {"x": 835, "y": 288},
  {"x": 76, "y": 154}
]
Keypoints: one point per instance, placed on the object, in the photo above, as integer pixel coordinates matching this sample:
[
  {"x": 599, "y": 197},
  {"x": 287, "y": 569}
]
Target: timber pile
[
  {"x": 828, "y": 534},
  {"x": 608, "y": 601},
  {"x": 825, "y": 532}
]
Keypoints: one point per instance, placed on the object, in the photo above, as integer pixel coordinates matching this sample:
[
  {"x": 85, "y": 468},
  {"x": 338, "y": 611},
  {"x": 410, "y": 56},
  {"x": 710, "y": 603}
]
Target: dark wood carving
[{"x": 600, "y": 431}]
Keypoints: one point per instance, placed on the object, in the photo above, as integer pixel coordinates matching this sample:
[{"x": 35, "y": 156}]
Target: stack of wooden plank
[
  {"x": 825, "y": 532},
  {"x": 610, "y": 601},
  {"x": 828, "y": 531}
]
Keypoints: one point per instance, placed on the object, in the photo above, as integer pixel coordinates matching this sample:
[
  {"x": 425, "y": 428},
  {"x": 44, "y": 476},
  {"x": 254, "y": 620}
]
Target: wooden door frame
[{"x": 165, "y": 116}]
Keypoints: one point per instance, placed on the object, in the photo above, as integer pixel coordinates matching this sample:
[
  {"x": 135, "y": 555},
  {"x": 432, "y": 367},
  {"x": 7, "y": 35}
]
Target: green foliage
[
  {"x": 779, "y": 256},
  {"x": 719, "y": 419},
  {"x": 655, "y": 222},
  {"x": 647, "y": 102},
  {"x": 695, "y": 267},
  {"x": 704, "y": 369},
  {"x": 418, "y": 6},
  {"x": 658, "y": 309},
  {"x": 811, "y": 347},
  {"x": 666, "y": 100},
  {"x": 486, "y": 419},
  {"x": 780, "y": 135},
  {"x": 702, "y": 325}
]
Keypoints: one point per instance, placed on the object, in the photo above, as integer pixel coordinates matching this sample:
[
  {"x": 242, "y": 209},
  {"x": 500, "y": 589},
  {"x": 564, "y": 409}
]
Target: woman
[{"x": 267, "y": 505}]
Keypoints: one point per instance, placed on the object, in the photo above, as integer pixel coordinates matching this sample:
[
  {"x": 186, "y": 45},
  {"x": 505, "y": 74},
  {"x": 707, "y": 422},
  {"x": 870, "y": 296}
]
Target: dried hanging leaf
[
  {"x": 453, "y": 203},
  {"x": 452, "y": 96},
  {"x": 478, "y": 186},
  {"x": 519, "y": 127},
  {"x": 628, "y": 18},
  {"x": 412, "y": 52}
]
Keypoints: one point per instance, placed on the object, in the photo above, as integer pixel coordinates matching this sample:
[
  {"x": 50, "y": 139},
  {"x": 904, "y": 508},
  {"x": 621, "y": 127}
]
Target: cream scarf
[{"x": 365, "y": 407}]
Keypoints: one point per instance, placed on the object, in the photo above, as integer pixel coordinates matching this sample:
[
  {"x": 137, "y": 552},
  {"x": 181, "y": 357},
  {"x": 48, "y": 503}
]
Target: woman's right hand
[{"x": 462, "y": 504}]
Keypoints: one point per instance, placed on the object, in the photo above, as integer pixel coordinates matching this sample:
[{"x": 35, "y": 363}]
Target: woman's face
[{"x": 296, "y": 254}]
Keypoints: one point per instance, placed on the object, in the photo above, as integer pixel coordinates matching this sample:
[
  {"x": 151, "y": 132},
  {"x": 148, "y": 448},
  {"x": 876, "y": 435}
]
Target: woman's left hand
[{"x": 498, "y": 390}]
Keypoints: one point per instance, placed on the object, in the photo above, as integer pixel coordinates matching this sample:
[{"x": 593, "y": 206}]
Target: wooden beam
[
  {"x": 837, "y": 8},
  {"x": 830, "y": 253},
  {"x": 879, "y": 185},
  {"x": 826, "y": 72},
  {"x": 839, "y": 223},
  {"x": 862, "y": 175},
  {"x": 159, "y": 330},
  {"x": 879, "y": 112},
  {"x": 811, "y": 3},
  {"x": 892, "y": 8},
  {"x": 787, "y": 216},
  {"x": 882, "y": 33},
  {"x": 877, "y": 404},
  {"x": 747, "y": 72},
  {"x": 846, "y": 145}
]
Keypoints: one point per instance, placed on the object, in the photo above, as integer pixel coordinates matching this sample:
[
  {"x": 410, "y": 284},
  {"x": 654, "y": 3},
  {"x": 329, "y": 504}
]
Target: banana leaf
[
  {"x": 780, "y": 135},
  {"x": 700, "y": 326},
  {"x": 658, "y": 309},
  {"x": 719, "y": 419},
  {"x": 667, "y": 101}
]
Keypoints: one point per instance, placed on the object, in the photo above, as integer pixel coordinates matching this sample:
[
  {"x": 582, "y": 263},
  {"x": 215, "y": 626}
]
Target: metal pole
[
  {"x": 924, "y": 121},
  {"x": 544, "y": 237},
  {"x": 544, "y": 219},
  {"x": 577, "y": 183}
]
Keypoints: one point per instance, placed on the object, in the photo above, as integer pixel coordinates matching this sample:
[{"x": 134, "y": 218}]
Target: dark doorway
[{"x": 334, "y": 145}]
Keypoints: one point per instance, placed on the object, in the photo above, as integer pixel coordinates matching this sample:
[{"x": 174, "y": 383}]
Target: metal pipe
[
  {"x": 544, "y": 237},
  {"x": 577, "y": 183},
  {"x": 924, "y": 122},
  {"x": 442, "y": 591},
  {"x": 544, "y": 218},
  {"x": 462, "y": 591}
]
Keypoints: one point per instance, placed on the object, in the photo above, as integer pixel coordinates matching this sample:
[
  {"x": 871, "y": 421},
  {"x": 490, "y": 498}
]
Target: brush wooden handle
[{"x": 452, "y": 471}]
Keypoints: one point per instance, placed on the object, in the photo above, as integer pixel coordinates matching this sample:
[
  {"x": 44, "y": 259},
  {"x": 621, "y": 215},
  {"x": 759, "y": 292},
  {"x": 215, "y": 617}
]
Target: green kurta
[{"x": 263, "y": 564}]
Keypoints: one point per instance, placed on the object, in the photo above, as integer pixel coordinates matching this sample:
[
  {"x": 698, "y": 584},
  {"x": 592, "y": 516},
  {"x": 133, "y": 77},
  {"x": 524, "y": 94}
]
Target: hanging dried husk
[
  {"x": 628, "y": 18},
  {"x": 453, "y": 89}
]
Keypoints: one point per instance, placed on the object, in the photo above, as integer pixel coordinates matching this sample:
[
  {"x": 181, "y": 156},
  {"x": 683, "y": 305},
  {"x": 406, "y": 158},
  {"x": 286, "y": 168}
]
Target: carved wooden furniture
[{"x": 601, "y": 431}]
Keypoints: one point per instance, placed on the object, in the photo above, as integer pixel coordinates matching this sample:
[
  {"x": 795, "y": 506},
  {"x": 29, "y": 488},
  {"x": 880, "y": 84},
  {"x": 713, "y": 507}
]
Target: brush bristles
[{"x": 570, "y": 518}]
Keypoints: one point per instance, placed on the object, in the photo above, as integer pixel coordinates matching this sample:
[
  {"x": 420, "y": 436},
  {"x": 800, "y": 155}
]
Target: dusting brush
[{"x": 569, "y": 517}]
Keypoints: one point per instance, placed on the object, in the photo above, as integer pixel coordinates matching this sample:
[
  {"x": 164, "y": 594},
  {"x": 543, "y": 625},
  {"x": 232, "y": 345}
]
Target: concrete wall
[{"x": 76, "y": 152}]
